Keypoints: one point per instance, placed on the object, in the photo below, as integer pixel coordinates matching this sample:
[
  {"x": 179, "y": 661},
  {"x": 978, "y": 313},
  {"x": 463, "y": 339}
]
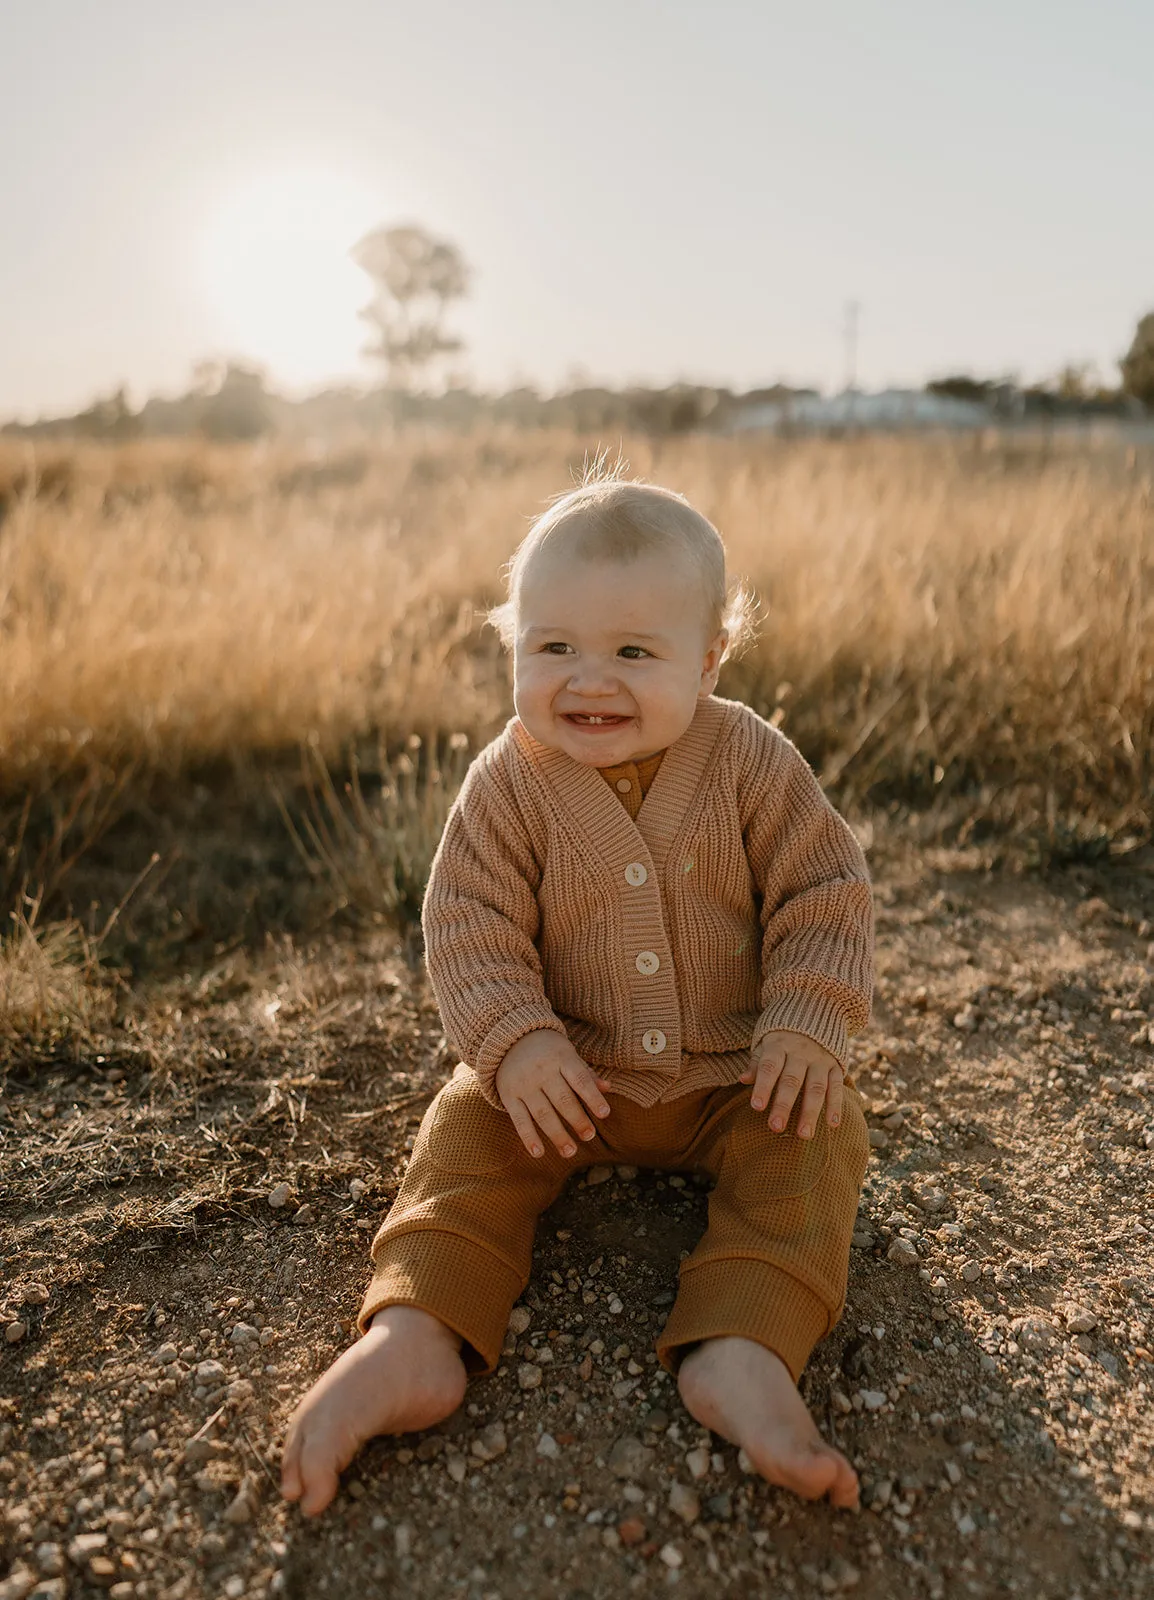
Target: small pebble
[
  {"x": 873, "y": 1399},
  {"x": 85, "y": 1546},
  {"x": 304, "y": 1216},
  {"x": 879, "y": 1139},
  {"x": 597, "y": 1175},
  {"x": 240, "y": 1509},
  {"x": 698, "y": 1462},
  {"x": 548, "y": 1447},
  {"x": 357, "y": 1189},
  {"x": 519, "y": 1319},
  {"x": 490, "y": 1442},
  {"x": 50, "y": 1560},
  {"x": 903, "y": 1252},
  {"x": 629, "y": 1458},
  {"x": 1080, "y": 1321},
  {"x": 671, "y": 1555},
  {"x": 15, "y": 1331},
  {"x": 683, "y": 1502},
  {"x": 529, "y": 1375},
  {"x": 279, "y": 1196}
]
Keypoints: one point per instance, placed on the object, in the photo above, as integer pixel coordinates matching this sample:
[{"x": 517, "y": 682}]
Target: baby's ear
[{"x": 711, "y": 663}]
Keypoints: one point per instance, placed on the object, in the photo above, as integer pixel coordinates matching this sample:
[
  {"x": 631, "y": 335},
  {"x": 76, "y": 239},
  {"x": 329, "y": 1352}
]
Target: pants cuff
[
  {"x": 749, "y": 1298},
  {"x": 460, "y": 1283}
]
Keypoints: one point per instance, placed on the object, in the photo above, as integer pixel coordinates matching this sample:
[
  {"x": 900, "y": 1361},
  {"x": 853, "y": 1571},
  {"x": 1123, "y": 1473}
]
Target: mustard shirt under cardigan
[{"x": 663, "y": 936}]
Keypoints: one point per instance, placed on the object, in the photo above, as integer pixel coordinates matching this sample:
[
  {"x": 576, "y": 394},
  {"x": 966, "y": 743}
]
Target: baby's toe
[
  {"x": 844, "y": 1491},
  {"x": 290, "y": 1476},
  {"x": 319, "y": 1477}
]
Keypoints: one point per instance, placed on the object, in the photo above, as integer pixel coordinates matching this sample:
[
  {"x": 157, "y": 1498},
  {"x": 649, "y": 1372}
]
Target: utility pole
[{"x": 852, "y": 319}]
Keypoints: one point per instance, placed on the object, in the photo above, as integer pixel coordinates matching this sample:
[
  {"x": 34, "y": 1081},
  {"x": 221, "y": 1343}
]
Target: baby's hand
[
  {"x": 542, "y": 1079},
  {"x": 788, "y": 1060}
]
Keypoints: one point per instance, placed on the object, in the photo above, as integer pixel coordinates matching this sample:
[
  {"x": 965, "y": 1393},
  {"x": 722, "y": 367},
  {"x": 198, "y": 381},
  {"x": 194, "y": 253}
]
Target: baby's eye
[
  {"x": 553, "y": 646},
  {"x": 640, "y": 651}
]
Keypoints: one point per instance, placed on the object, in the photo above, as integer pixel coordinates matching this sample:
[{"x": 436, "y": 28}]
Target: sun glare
[{"x": 276, "y": 270}]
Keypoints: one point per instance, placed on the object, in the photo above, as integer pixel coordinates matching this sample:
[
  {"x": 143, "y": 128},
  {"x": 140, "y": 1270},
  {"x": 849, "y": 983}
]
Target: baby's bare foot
[
  {"x": 404, "y": 1375},
  {"x": 744, "y": 1392}
]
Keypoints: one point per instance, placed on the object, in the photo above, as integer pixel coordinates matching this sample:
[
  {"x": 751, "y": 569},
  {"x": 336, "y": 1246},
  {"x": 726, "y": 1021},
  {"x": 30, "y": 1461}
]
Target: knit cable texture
[{"x": 736, "y": 902}]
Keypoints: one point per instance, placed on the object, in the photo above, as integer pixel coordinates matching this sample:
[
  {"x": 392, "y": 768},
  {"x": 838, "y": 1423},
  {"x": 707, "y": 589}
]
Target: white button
[
  {"x": 636, "y": 873},
  {"x": 653, "y": 1042},
  {"x": 648, "y": 961},
  {"x": 623, "y": 786}
]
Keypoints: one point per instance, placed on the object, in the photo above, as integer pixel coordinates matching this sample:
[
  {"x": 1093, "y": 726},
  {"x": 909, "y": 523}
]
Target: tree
[
  {"x": 1138, "y": 363},
  {"x": 415, "y": 278},
  {"x": 239, "y": 408}
]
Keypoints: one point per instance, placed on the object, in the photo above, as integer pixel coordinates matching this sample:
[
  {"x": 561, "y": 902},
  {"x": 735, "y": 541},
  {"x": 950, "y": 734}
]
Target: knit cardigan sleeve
[
  {"x": 480, "y": 919},
  {"x": 817, "y": 906}
]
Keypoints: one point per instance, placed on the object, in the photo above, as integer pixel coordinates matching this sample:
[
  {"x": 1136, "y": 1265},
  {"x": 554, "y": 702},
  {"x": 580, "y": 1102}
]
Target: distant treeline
[{"x": 232, "y": 401}]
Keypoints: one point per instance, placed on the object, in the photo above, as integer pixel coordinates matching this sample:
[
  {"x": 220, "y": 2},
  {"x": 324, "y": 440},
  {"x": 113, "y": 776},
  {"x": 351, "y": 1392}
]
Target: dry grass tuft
[
  {"x": 374, "y": 838},
  {"x": 52, "y": 987}
]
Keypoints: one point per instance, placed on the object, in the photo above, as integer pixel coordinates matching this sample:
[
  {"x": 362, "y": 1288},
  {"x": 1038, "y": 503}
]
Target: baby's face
[{"x": 610, "y": 657}]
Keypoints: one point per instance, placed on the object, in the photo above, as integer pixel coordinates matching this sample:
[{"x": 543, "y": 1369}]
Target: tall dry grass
[{"x": 965, "y": 624}]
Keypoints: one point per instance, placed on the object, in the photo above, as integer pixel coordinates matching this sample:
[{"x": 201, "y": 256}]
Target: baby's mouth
[{"x": 581, "y": 719}]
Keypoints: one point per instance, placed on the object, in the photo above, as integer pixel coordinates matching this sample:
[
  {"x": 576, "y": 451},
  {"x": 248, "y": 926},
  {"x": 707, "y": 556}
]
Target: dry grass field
[
  {"x": 239, "y": 688},
  {"x": 939, "y": 618}
]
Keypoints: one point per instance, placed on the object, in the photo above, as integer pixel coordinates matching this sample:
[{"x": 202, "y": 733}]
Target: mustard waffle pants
[{"x": 772, "y": 1264}]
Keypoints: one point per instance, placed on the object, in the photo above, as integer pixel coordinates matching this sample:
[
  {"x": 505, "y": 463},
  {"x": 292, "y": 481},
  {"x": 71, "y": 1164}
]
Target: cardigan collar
[{"x": 583, "y": 792}]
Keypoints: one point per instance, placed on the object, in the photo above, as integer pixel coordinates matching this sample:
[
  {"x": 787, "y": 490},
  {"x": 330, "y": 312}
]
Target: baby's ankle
[{"x": 404, "y": 1321}]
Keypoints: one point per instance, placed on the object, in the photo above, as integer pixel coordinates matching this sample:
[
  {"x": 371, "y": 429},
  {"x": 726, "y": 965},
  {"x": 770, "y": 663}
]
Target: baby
[{"x": 641, "y": 903}]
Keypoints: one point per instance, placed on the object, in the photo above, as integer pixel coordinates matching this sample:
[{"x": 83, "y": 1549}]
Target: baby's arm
[
  {"x": 480, "y": 919},
  {"x": 817, "y": 940}
]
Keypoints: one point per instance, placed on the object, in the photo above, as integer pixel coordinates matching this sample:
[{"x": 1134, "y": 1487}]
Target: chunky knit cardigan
[{"x": 737, "y": 902}]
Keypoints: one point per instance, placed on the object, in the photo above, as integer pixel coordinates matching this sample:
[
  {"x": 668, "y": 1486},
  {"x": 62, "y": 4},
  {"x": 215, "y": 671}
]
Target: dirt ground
[{"x": 991, "y": 1378}]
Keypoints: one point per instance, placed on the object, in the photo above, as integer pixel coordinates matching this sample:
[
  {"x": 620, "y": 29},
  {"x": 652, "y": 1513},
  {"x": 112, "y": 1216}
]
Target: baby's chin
[{"x": 607, "y": 747}]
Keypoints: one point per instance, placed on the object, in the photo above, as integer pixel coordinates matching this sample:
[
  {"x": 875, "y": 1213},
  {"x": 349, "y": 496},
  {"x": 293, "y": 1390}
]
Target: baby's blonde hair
[{"x": 611, "y": 517}]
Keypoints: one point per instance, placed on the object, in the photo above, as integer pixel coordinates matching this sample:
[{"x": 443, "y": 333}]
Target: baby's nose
[{"x": 593, "y": 677}]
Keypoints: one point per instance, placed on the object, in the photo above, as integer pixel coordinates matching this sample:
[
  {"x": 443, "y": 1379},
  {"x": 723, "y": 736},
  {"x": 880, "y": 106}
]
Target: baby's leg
[
  {"x": 450, "y": 1259},
  {"x": 765, "y": 1283},
  {"x": 404, "y": 1375}
]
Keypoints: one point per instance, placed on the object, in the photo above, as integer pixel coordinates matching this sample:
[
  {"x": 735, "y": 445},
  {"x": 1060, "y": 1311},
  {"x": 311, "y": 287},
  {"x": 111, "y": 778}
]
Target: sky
[{"x": 643, "y": 191}]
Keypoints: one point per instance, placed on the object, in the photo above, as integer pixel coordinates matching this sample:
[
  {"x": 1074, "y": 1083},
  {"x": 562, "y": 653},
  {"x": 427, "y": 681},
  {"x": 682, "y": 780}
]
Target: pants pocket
[{"x": 774, "y": 1166}]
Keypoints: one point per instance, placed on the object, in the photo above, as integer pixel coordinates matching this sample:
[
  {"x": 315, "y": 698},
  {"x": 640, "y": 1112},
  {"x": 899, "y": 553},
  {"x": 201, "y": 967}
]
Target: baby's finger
[
  {"x": 551, "y": 1125},
  {"x": 787, "y": 1087},
  {"x": 833, "y": 1097},
  {"x": 769, "y": 1069},
  {"x": 526, "y": 1131},
  {"x": 811, "y": 1101},
  {"x": 589, "y": 1087},
  {"x": 568, "y": 1106}
]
